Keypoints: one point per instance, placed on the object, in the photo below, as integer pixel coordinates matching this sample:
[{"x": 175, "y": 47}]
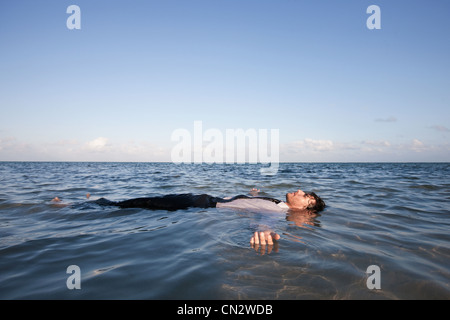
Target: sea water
[{"x": 394, "y": 216}]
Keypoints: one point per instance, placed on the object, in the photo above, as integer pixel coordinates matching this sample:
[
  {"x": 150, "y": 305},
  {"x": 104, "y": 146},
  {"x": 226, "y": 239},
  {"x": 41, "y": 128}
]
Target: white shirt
[{"x": 254, "y": 204}]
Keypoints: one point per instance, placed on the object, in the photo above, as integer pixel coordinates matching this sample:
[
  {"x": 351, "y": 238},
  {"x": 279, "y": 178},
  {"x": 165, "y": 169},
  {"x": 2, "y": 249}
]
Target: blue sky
[{"x": 116, "y": 89}]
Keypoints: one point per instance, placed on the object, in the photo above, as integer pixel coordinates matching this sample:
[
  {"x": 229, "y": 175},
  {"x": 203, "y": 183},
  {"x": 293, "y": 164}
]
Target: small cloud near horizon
[{"x": 440, "y": 128}]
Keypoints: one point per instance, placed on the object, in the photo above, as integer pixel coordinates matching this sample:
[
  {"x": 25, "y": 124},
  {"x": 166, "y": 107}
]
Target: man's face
[{"x": 300, "y": 200}]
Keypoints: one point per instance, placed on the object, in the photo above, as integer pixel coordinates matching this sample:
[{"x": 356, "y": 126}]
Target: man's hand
[{"x": 264, "y": 238}]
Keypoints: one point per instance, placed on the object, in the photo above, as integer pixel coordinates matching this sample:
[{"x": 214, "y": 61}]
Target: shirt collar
[{"x": 283, "y": 205}]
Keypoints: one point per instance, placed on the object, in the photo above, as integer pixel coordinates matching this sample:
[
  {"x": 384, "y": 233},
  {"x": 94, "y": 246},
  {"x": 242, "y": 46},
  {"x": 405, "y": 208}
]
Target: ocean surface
[{"x": 395, "y": 216}]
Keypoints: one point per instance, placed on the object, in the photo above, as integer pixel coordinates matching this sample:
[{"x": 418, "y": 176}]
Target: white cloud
[
  {"x": 417, "y": 143},
  {"x": 305, "y": 150},
  {"x": 379, "y": 143},
  {"x": 311, "y": 150},
  {"x": 310, "y": 145},
  {"x": 10, "y": 145},
  {"x": 98, "y": 149},
  {"x": 99, "y": 144}
]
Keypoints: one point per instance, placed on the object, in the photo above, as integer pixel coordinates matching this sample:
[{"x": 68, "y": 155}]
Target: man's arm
[{"x": 264, "y": 237}]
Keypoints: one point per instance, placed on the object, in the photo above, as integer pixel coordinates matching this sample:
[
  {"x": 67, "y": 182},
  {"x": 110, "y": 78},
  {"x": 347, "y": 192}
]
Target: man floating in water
[
  {"x": 298, "y": 200},
  {"x": 295, "y": 201}
]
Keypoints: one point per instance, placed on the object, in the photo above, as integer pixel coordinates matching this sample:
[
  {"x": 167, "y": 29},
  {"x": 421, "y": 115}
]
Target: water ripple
[{"x": 395, "y": 216}]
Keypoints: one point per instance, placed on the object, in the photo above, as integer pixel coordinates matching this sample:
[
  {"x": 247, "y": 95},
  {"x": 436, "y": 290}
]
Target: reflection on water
[
  {"x": 375, "y": 215},
  {"x": 304, "y": 219}
]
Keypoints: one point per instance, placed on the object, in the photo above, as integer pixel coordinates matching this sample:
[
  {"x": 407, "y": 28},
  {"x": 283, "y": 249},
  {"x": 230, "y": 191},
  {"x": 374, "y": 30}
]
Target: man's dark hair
[{"x": 320, "y": 204}]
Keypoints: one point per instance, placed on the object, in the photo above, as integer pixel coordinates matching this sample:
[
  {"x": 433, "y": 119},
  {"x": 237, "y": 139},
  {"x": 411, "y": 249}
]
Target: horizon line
[{"x": 214, "y": 163}]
